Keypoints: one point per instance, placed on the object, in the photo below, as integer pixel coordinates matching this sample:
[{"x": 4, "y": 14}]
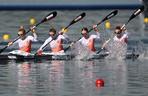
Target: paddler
[
  {"x": 25, "y": 42},
  {"x": 118, "y": 46},
  {"x": 121, "y": 35},
  {"x": 55, "y": 42},
  {"x": 89, "y": 40}
]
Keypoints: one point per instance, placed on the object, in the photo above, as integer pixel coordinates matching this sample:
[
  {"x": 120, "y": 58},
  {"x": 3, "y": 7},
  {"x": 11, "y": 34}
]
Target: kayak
[
  {"x": 20, "y": 55},
  {"x": 51, "y": 56},
  {"x": 56, "y": 57}
]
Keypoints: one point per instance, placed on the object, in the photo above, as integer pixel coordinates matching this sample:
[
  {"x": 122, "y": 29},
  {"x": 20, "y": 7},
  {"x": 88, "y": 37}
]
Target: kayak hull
[{"x": 56, "y": 57}]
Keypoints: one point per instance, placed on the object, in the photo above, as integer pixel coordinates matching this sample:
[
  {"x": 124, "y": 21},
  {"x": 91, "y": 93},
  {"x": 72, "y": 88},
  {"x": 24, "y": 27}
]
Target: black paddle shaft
[
  {"x": 46, "y": 18},
  {"x": 110, "y": 15},
  {"x": 136, "y": 13},
  {"x": 78, "y": 18}
]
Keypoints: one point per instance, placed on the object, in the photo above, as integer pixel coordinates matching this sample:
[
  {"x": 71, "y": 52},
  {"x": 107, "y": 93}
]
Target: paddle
[
  {"x": 46, "y": 18},
  {"x": 78, "y": 18},
  {"x": 136, "y": 13},
  {"x": 110, "y": 15}
]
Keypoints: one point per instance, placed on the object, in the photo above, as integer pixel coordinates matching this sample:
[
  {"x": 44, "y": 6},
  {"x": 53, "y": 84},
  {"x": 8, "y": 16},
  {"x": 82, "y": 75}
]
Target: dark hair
[
  {"x": 52, "y": 30},
  {"x": 85, "y": 28},
  {"x": 118, "y": 27},
  {"x": 23, "y": 30}
]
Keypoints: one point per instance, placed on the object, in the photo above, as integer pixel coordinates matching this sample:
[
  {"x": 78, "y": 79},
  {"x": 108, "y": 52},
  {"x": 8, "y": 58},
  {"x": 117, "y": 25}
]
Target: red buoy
[{"x": 99, "y": 83}]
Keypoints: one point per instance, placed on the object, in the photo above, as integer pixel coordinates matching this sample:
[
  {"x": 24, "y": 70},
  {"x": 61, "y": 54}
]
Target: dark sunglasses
[
  {"x": 20, "y": 34},
  {"x": 83, "y": 33},
  {"x": 118, "y": 33}
]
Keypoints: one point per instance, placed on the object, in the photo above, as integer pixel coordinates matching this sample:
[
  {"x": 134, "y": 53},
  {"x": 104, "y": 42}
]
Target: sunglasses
[
  {"x": 118, "y": 33},
  {"x": 20, "y": 34},
  {"x": 83, "y": 33}
]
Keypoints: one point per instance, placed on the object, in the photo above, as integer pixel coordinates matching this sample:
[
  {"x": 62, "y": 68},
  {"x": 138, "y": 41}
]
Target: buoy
[
  {"x": 32, "y": 21},
  {"x": 146, "y": 20},
  {"x": 6, "y": 37},
  {"x": 107, "y": 25},
  {"x": 99, "y": 83}
]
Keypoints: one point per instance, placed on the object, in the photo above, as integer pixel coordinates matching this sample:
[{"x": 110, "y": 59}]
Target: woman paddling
[
  {"x": 89, "y": 40},
  {"x": 118, "y": 46},
  {"x": 55, "y": 41},
  {"x": 25, "y": 42},
  {"x": 120, "y": 35}
]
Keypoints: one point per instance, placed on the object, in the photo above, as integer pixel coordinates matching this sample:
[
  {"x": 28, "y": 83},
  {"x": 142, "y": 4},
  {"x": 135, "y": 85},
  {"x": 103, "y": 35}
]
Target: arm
[
  {"x": 125, "y": 34},
  {"x": 97, "y": 36},
  {"x": 125, "y": 37},
  {"x": 45, "y": 43},
  {"x": 10, "y": 43},
  {"x": 34, "y": 35},
  {"x": 64, "y": 36}
]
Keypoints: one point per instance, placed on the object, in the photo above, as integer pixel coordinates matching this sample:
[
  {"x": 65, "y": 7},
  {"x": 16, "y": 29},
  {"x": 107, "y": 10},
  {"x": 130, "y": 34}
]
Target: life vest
[
  {"x": 122, "y": 39},
  {"x": 91, "y": 45},
  {"x": 58, "y": 46},
  {"x": 26, "y": 47}
]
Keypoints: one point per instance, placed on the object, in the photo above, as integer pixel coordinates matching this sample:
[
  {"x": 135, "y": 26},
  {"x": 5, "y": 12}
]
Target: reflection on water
[
  {"x": 117, "y": 77},
  {"x": 42, "y": 79},
  {"x": 24, "y": 80},
  {"x": 74, "y": 78},
  {"x": 56, "y": 76},
  {"x": 85, "y": 77}
]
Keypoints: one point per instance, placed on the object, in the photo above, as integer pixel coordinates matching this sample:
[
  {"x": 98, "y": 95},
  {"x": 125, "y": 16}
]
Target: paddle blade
[
  {"x": 112, "y": 14},
  {"x": 49, "y": 16},
  {"x": 136, "y": 13},
  {"x": 78, "y": 18}
]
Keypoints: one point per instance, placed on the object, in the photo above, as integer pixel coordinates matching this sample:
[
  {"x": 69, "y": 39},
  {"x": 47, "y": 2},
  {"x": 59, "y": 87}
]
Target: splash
[
  {"x": 141, "y": 49},
  {"x": 117, "y": 50},
  {"x": 81, "y": 52}
]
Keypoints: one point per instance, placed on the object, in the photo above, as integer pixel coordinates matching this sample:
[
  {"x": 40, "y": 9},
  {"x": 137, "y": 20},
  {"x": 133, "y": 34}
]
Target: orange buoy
[{"x": 99, "y": 83}]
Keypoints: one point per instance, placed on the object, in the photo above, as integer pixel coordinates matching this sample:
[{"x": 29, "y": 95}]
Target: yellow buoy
[
  {"x": 146, "y": 20},
  {"x": 6, "y": 37},
  {"x": 107, "y": 25},
  {"x": 32, "y": 21}
]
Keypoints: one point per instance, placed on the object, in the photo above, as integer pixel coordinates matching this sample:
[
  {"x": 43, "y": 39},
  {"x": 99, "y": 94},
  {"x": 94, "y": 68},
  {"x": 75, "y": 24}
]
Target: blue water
[{"x": 74, "y": 77}]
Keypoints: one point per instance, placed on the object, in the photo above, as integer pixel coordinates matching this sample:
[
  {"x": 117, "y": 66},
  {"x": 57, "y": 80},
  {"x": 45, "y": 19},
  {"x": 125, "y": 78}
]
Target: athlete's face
[
  {"x": 118, "y": 33},
  {"x": 84, "y": 33},
  {"x": 51, "y": 34},
  {"x": 21, "y": 34}
]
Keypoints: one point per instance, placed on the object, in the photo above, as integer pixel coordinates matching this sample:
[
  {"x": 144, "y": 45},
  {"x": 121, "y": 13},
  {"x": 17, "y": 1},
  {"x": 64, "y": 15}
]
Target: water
[{"x": 73, "y": 77}]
